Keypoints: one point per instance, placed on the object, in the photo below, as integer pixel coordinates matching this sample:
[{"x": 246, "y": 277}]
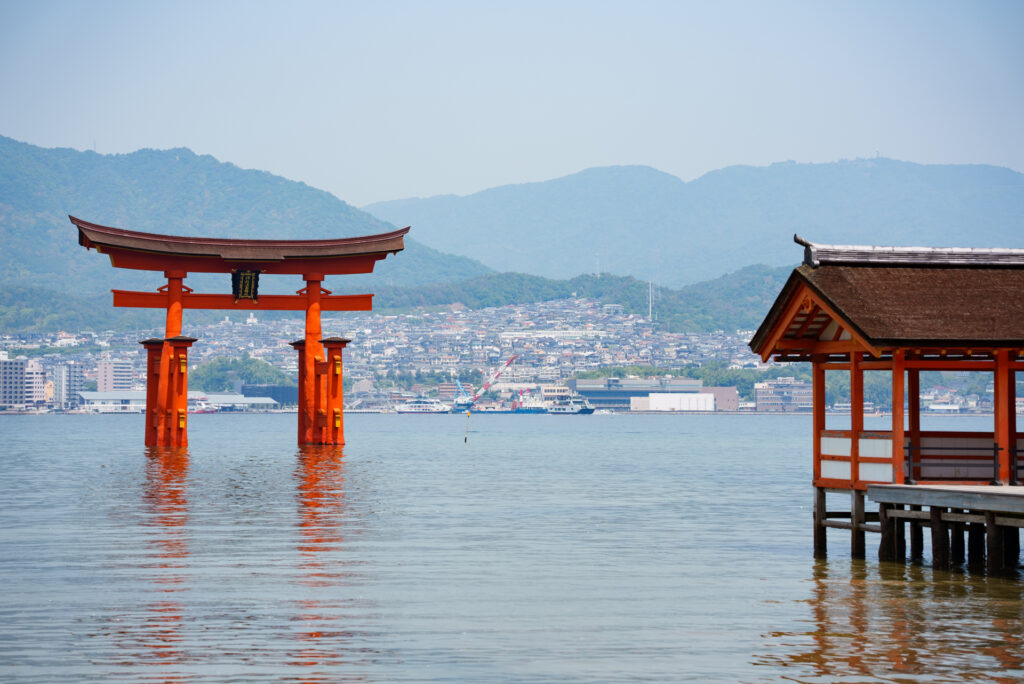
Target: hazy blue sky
[{"x": 381, "y": 100}]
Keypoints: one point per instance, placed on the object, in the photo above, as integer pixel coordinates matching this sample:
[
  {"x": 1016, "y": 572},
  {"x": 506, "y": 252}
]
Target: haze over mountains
[{"x": 638, "y": 221}]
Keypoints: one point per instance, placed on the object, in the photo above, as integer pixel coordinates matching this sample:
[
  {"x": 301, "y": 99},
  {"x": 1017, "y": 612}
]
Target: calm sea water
[{"x": 547, "y": 549}]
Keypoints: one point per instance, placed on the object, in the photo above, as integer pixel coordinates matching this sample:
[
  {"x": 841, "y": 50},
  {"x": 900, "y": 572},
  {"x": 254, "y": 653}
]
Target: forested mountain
[
  {"x": 635, "y": 220},
  {"x": 175, "y": 192}
]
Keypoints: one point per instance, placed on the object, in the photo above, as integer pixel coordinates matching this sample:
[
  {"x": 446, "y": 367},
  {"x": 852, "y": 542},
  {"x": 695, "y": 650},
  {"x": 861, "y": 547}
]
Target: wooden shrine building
[
  {"x": 321, "y": 413},
  {"x": 900, "y": 311}
]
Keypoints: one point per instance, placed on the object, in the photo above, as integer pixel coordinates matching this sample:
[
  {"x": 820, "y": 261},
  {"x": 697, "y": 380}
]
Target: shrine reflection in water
[{"x": 893, "y": 621}]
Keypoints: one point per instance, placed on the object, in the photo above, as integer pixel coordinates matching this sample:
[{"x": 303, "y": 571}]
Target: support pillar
[
  {"x": 886, "y": 523},
  {"x": 154, "y": 348},
  {"x": 174, "y": 291},
  {"x": 300, "y": 347},
  {"x": 334, "y": 406},
  {"x": 975, "y": 545},
  {"x": 1004, "y": 401},
  {"x": 993, "y": 544},
  {"x": 898, "y": 446},
  {"x": 916, "y": 538},
  {"x": 940, "y": 539},
  {"x": 177, "y": 387},
  {"x": 857, "y": 524},
  {"x": 956, "y": 541},
  {"x": 312, "y": 394},
  {"x": 820, "y": 536}
]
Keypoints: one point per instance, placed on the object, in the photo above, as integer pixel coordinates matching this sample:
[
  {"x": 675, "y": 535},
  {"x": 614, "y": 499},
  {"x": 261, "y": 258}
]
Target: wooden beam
[{"x": 193, "y": 300}]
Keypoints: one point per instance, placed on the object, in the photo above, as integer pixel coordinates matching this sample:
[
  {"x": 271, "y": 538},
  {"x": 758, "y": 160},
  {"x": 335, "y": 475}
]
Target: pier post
[
  {"x": 1011, "y": 547},
  {"x": 887, "y": 524},
  {"x": 940, "y": 538},
  {"x": 857, "y": 524},
  {"x": 994, "y": 543},
  {"x": 956, "y": 541},
  {"x": 901, "y": 537},
  {"x": 975, "y": 545},
  {"x": 916, "y": 538},
  {"x": 820, "y": 537}
]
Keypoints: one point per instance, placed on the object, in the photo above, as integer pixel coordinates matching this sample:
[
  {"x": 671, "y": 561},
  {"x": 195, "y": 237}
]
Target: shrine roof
[
  {"x": 905, "y": 296},
  {"x": 111, "y": 240}
]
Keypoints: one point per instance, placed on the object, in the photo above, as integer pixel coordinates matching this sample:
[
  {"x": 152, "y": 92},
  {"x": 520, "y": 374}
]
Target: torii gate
[{"x": 321, "y": 414}]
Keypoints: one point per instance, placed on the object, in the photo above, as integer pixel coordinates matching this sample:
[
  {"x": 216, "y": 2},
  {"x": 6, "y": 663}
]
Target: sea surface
[{"x": 498, "y": 548}]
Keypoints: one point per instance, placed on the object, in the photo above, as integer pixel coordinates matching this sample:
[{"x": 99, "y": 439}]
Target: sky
[{"x": 384, "y": 100}]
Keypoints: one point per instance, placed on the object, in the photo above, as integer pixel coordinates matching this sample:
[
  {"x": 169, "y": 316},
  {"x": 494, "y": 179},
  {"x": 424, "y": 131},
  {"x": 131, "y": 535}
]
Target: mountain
[
  {"x": 635, "y": 220},
  {"x": 176, "y": 192}
]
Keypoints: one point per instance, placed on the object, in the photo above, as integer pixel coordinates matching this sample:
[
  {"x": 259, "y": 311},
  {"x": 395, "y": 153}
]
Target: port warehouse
[
  {"x": 655, "y": 394},
  {"x": 902, "y": 311}
]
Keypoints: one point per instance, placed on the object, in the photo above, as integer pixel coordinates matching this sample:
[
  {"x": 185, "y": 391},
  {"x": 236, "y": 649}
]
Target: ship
[
  {"x": 423, "y": 405},
  {"x": 571, "y": 406}
]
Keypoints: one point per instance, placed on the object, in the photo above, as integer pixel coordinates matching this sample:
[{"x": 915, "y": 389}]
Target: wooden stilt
[
  {"x": 887, "y": 524},
  {"x": 820, "y": 538},
  {"x": 916, "y": 538},
  {"x": 994, "y": 544},
  {"x": 1011, "y": 547},
  {"x": 975, "y": 545},
  {"x": 940, "y": 538},
  {"x": 901, "y": 537},
  {"x": 956, "y": 541},
  {"x": 857, "y": 522}
]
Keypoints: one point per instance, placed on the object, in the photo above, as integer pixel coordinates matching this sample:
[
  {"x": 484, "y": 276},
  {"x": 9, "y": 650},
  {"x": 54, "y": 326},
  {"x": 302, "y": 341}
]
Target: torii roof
[
  {"x": 891, "y": 297},
  {"x": 152, "y": 251}
]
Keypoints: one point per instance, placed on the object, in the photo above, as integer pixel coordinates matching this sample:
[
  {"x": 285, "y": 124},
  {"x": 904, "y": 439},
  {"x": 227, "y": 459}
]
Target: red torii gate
[{"x": 321, "y": 414}]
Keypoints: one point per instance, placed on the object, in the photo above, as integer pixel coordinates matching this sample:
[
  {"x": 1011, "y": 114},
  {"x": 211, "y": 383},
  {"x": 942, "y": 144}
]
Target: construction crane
[{"x": 463, "y": 403}]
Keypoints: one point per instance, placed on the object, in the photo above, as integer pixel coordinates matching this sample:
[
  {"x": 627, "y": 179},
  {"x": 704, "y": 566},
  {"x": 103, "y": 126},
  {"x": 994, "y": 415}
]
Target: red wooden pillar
[
  {"x": 898, "y": 456},
  {"x": 312, "y": 393},
  {"x": 1005, "y": 410},
  {"x": 177, "y": 383},
  {"x": 333, "y": 406},
  {"x": 914, "y": 414},
  {"x": 300, "y": 347},
  {"x": 818, "y": 421},
  {"x": 174, "y": 290},
  {"x": 856, "y": 414},
  {"x": 154, "y": 347}
]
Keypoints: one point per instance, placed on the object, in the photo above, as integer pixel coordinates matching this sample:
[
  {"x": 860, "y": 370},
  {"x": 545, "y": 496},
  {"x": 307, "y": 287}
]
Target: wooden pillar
[
  {"x": 177, "y": 388},
  {"x": 916, "y": 538},
  {"x": 174, "y": 290},
  {"x": 154, "y": 347},
  {"x": 1005, "y": 409},
  {"x": 940, "y": 538},
  {"x": 975, "y": 545},
  {"x": 820, "y": 536},
  {"x": 887, "y": 525},
  {"x": 993, "y": 543},
  {"x": 901, "y": 537},
  {"x": 334, "y": 406},
  {"x": 856, "y": 416},
  {"x": 313, "y": 392},
  {"x": 857, "y": 523},
  {"x": 914, "y": 414},
  {"x": 300, "y": 347},
  {"x": 1011, "y": 547},
  {"x": 818, "y": 409},
  {"x": 956, "y": 541},
  {"x": 898, "y": 460}
]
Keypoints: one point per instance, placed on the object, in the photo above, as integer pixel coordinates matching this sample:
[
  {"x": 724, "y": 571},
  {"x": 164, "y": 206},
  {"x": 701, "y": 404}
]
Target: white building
[
  {"x": 68, "y": 381},
  {"x": 35, "y": 382},
  {"x": 675, "y": 401}
]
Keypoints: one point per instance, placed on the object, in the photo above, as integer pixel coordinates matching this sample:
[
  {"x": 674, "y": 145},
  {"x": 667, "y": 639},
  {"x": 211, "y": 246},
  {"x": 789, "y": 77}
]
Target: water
[{"x": 547, "y": 549}]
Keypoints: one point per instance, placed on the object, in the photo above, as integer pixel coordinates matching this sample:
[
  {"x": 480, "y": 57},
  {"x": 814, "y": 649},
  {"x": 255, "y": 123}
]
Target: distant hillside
[
  {"x": 176, "y": 192},
  {"x": 635, "y": 220},
  {"x": 737, "y": 301},
  {"x": 734, "y": 302}
]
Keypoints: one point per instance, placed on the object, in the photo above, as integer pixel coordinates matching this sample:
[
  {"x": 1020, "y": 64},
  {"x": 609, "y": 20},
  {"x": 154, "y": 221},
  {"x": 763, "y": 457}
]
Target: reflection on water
[
  {"x": 165, "y": 497},
  {"x": 896, "y": 622}
]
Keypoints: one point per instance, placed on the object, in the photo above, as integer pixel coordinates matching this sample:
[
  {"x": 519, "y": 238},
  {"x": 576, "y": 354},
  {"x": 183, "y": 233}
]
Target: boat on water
[
  {"x": 423, "y": 405},
  {"x": 571, "y": 406}
]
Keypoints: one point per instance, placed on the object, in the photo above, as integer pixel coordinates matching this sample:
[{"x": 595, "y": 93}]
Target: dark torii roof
[
  {"x": 903, "y": 297},
  {"x": 152, "y": 251}
]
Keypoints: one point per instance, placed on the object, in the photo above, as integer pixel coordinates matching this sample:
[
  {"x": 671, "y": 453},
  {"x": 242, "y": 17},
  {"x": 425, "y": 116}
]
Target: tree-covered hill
[
  {"x": 635, "y": 220},
  {"x": 175, "y": 192}
]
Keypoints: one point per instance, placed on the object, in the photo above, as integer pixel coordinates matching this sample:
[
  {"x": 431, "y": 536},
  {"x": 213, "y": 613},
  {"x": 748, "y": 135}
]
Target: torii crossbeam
[{"x": 321, "y": 413}]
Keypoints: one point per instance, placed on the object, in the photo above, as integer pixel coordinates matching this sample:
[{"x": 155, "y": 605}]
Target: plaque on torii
[{"x": 321, "y": 413}]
